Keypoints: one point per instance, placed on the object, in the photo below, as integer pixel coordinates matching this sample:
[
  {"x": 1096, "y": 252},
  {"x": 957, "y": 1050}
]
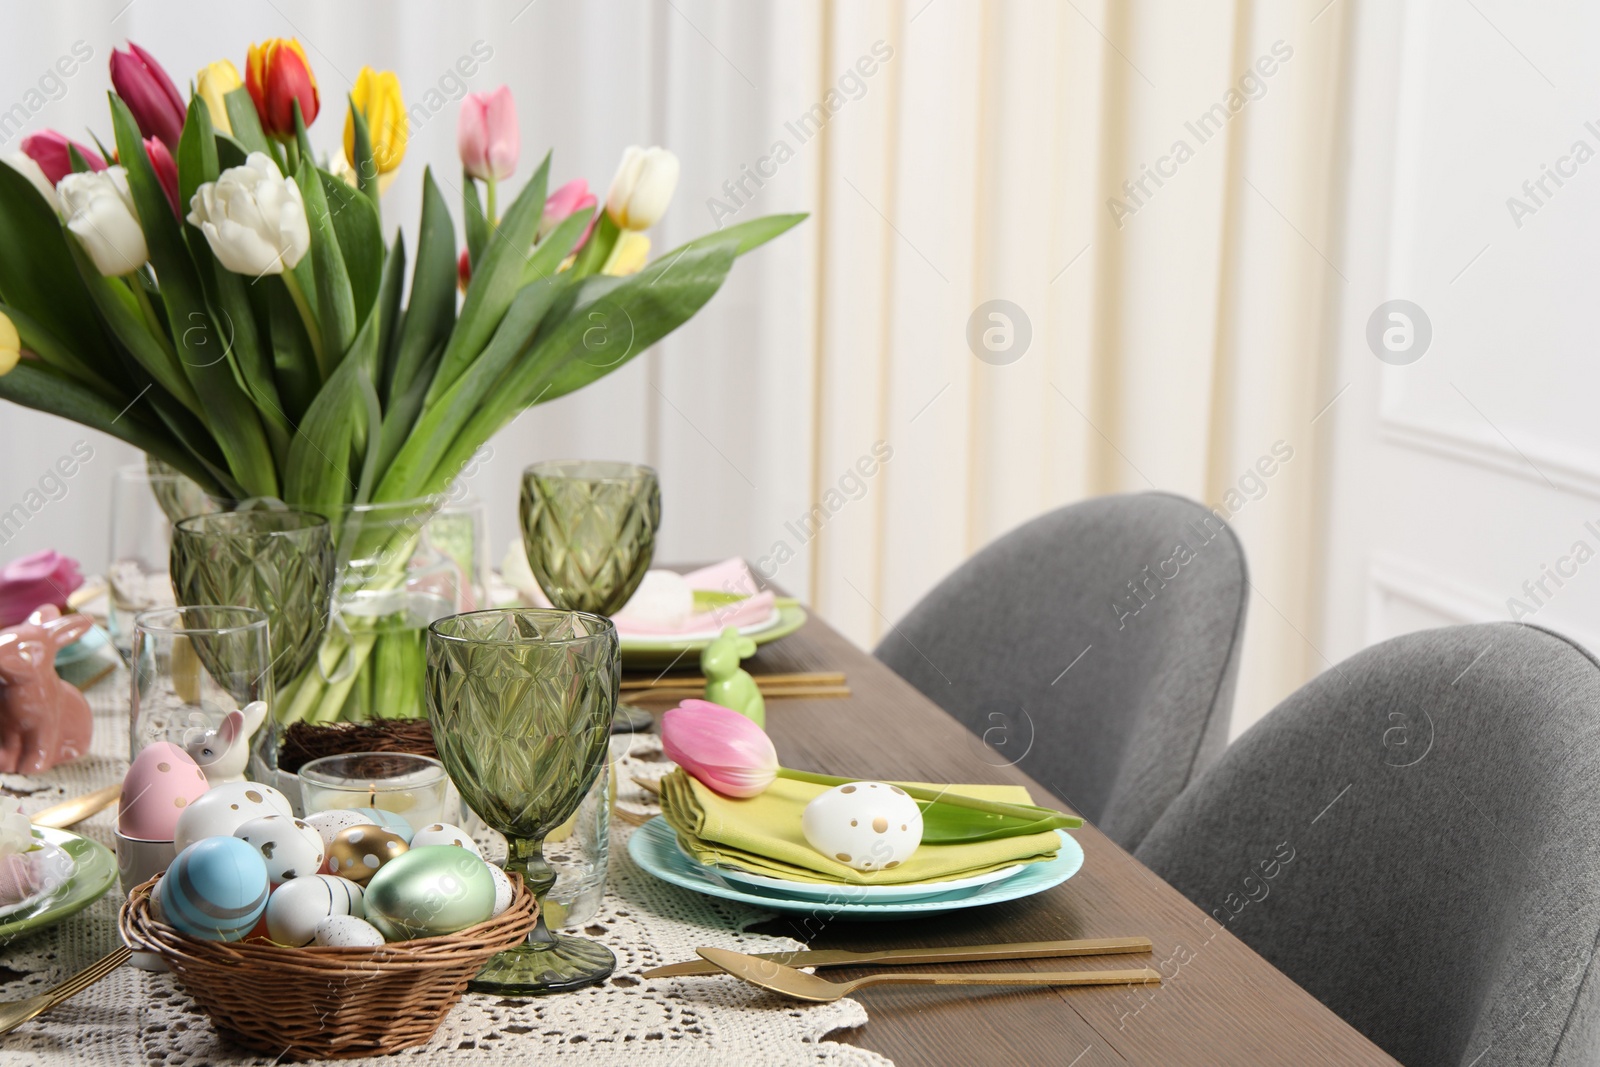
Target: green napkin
[{"x": 762, "y": 835}]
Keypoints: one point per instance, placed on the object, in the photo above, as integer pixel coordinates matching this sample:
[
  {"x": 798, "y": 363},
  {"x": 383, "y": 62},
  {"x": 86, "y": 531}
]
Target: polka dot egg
[
  {"x": 290, "y": 846},
  {"x": 329, "y": 823},
  {"x": 358, "y": 852},
  {"x": 442, "y": 833},
  {"x": 871, "y": 826},
  {"x": 163, "y": 781},
  {"x": 222, "y": 809}
]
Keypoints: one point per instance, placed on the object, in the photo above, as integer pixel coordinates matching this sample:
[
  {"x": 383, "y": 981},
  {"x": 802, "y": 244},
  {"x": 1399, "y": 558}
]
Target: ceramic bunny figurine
[
  {"x": 43, "y": 719},
  {"x": 222, "y": 753},
  {"x": 729, "y": 684}
]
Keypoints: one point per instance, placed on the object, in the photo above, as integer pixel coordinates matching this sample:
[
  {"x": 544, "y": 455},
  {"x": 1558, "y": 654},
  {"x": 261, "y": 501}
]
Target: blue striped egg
[
  {"x": 392, "y": 821},
  {"x": 216, "y": 889}
]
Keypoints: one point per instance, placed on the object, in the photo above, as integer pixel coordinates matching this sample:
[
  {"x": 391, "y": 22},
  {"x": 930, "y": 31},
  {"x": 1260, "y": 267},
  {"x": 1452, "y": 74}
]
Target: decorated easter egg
[
  {"x": 871, "y": 826},
  {"x": 328, "y": 823},
  {"x": 298, "y": 906},
  {"x": 162, "y": 782},
  {"x": 346, "y": 931},
  {"x": 430, "y": 891},
  {"x": 291, "y": 847},
  {"x": 215, "y": 889},
  {"x": 442, "y": 833},
  {"x": 503, "y": 893},
  {"x": 389, "y": 820},
  {"x": 222, "y": 809},
  {"x": 358, "y": 852}
]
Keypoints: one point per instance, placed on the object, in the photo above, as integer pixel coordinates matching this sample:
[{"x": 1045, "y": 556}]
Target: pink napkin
[{"x": 729, "y": 576}]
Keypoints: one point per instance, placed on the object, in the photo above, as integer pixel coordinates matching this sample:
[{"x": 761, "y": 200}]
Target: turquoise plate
[
  {"x": 655, "y": 848},
  {"x": 94, "y": 870}
]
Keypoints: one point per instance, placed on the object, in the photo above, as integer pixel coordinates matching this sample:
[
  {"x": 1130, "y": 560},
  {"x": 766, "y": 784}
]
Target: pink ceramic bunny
[{"x": 43, "y": 719}]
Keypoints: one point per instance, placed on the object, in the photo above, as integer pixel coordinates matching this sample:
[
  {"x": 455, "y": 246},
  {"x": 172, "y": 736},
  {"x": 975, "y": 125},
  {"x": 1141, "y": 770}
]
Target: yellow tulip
[
  {"x": 213, "y": 83},
  {"x": 10, "y": 345},
  {"x": 377, "y": 96},
  {"x": 631, "y": 253}
]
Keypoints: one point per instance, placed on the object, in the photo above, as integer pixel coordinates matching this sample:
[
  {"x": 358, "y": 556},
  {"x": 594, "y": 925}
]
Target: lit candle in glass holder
[{"x": 412, "y": 787}]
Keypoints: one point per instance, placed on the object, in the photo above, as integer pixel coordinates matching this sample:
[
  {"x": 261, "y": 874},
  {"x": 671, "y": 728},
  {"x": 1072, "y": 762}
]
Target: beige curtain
[{"x": 1151, "y": 184}]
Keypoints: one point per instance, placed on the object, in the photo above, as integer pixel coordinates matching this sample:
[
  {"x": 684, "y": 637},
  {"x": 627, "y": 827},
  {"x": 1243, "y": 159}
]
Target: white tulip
[
  {"x": 253, "y": 218},
  {"x": 25, "y": 165},
  {"x": 99, "y": 212},
  {"x": 643, "y": 187}
]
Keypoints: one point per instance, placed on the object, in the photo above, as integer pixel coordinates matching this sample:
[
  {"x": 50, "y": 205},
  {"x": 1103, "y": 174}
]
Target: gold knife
[
  {"x": 1027, "y": 950},
  {"x": 68, "y": 812}
]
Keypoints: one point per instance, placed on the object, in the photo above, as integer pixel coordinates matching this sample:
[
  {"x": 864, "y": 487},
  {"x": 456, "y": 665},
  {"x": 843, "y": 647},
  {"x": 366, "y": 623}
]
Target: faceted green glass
[
  {"x": 521, "y": 703},
  {"x": 590, "y": 530},
  {"x": 280, "y": 562}
]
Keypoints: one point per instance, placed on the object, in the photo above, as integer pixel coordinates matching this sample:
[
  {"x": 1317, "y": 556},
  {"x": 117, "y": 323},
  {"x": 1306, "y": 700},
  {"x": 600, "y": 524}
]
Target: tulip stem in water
[
  {"x": 940, "y": 796},
  {"x": 298, "y": 295}
]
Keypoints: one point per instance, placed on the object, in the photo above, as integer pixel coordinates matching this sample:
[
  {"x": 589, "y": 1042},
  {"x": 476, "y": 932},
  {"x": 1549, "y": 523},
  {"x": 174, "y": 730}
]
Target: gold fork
[{"x": 14, "y": 1013}]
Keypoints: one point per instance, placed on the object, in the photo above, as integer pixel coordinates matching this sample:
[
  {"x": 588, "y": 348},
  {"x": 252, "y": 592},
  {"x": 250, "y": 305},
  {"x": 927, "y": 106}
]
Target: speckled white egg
[
  {"x": 503, "y": 893},
  {"x": 291, "y": 847},
  {"x": 346, "y": 931},
  {"x": 329, "y": 823},
  {"x": 442, "y": 833},
  {"x": 871, "y": 826},
  {"x": 222, "y": 809},
  {"x": 296, "y": 907}
]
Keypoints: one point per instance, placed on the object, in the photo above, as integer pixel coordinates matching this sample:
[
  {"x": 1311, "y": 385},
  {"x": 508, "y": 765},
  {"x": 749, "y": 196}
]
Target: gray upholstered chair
[
  {"x": 1414, "y": 837},
  {"x": 1095, "y": 646}
]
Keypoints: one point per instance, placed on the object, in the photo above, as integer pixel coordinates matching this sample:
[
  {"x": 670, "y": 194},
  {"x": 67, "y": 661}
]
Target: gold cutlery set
[
  {"x": 680, "y": 686},
  {"x": 779, "y": 971}
]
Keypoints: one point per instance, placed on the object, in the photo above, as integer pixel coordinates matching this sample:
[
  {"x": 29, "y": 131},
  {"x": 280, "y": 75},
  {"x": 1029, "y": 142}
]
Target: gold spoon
[{"x": 803, "y": 986}]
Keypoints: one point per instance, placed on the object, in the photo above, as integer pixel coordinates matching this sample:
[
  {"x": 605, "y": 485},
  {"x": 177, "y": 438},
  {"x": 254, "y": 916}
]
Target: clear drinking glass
[
  {"x": 579, "y": 850},
  {"x": 279, "y": 561},
  {"x": 191, "y": 666},
  {"x": 141, "y": 540},
  {"x": 589, "y": 528},
  {"x": 521, "y": 703}
]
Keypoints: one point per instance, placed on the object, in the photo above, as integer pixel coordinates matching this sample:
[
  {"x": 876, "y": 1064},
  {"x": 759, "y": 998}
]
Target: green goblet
[
  {"x": 280, "y": 562},
  {"x": 590, "y": 530},
  {"x": 521, "y": 703}
]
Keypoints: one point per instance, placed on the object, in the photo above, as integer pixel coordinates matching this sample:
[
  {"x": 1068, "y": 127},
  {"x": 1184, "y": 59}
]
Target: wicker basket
[{"x": 327, "y": 1003}]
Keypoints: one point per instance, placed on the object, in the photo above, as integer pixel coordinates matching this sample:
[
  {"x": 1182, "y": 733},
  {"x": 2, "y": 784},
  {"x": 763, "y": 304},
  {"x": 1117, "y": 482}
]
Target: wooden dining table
[{"x": 1219, "y": 1002}]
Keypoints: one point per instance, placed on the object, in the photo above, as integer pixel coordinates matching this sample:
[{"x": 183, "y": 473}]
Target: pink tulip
[
  {"x": 724, "y": 750},
  {"x": 487, "y": 136},
  {"x": 573, "y": 196},
  {"x": 51, "y": 151},
  {"x": 149, "y": 93},
  {"x": 166, "y": 171},
  {"x": 31, "y": 582}
]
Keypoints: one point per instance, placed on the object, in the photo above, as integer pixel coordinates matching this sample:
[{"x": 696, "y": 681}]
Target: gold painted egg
[{"x": 358, "y": 851}]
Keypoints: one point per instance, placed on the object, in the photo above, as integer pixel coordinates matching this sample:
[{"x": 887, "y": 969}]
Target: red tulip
[
  {"x": 464, "y": 270},
  {"x": 487, "y": 136},
  {"x": 573, "y": 196},
  {"x": 722, "y": 749},
  {"x": 50, "y": 150},
  {"x": 150, "y": 95},
  {"x": 166, "y": 171},
  {"x": 278, "y": 77},
  {"x": 31, "y": 582}
]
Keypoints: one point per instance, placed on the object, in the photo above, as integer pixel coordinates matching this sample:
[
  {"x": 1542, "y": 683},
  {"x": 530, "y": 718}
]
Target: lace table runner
[{"x": 135, "y": 1017}]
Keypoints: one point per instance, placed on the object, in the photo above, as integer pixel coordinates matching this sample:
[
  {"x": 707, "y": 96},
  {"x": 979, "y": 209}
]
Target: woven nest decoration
[
  {"x": 327, "y": 1003},
  {"x": 304, "y": 742}
]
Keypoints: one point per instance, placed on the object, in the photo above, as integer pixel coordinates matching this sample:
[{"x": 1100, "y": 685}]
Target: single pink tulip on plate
[
  {"x": 487, "y": 136},
  {"x": 722, "y": 749}
]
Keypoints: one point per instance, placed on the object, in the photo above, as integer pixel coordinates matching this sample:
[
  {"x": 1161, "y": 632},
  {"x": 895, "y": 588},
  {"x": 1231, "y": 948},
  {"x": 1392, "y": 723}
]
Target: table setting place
[{"x": 298, "y": 775}]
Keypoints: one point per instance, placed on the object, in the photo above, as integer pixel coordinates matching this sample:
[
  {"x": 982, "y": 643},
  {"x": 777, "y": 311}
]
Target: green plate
[
  {"x": 94, "y": 872},
  {"x": 663, "y": 651}
]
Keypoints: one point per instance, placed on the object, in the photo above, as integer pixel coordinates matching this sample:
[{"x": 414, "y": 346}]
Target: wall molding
[
  {"x": 1392, "y": 578},
  {"x": 1491, "y": 453}
]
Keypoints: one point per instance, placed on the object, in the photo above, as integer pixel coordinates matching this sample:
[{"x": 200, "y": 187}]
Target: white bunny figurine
[{"x": 222, "y": 753}]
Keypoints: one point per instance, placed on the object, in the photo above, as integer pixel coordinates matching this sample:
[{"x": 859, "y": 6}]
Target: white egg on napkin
[{"x": 871, "y": 826}]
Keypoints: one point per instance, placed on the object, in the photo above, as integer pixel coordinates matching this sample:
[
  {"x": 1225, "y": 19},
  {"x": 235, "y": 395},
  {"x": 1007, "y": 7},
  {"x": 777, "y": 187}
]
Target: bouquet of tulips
[{"x": 206, "y": 291}]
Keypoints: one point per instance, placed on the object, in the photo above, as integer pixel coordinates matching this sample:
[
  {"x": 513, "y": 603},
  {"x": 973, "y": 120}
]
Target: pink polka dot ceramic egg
[{"x": 163, "y": 781}]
